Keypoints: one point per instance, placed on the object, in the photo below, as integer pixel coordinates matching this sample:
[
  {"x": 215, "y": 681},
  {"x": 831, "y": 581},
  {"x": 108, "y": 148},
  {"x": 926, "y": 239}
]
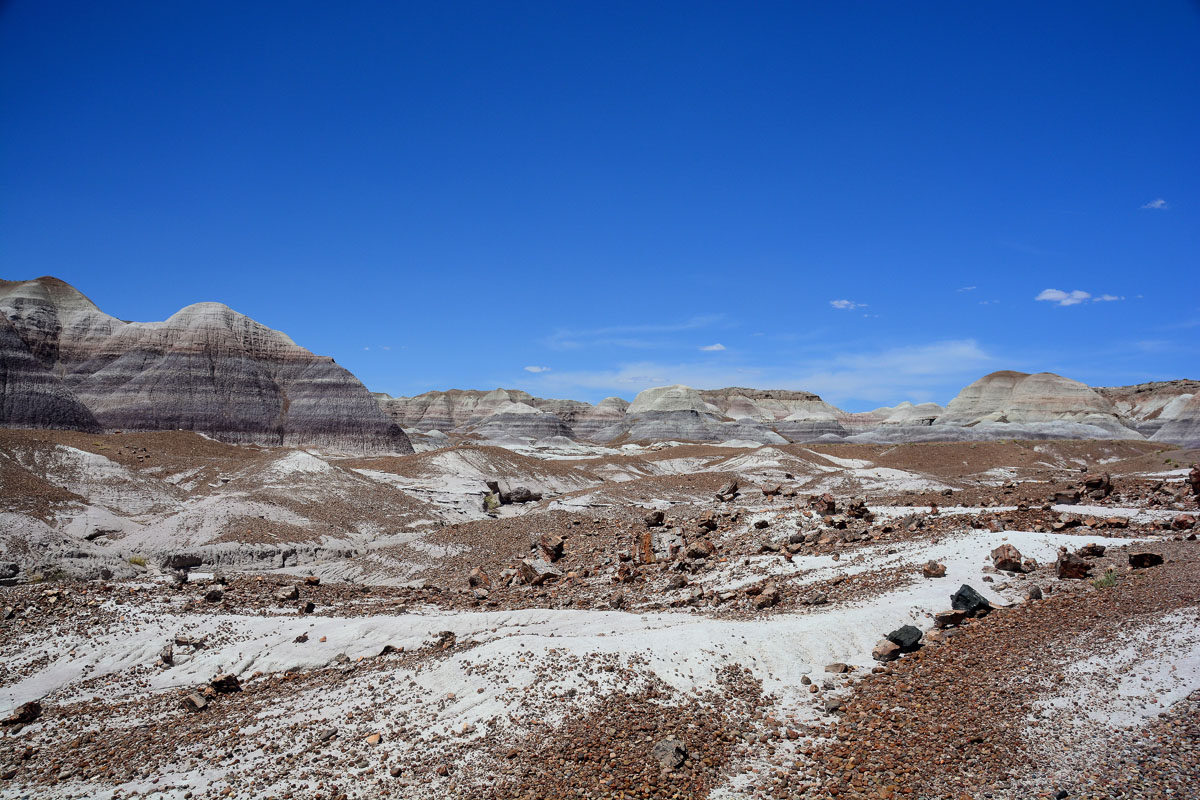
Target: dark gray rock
[
  {"x": 968, "y": 600},
  {"x": 906, "y": 638}
]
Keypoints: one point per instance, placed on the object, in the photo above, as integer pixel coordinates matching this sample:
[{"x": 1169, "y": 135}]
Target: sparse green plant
[
  {"x": 137, "y": 561},
  {"x": 1108, "y": 581}
]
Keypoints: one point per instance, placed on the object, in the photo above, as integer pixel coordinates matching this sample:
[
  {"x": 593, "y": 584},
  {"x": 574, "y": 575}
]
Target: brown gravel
[{"x": 945, "y": 722}]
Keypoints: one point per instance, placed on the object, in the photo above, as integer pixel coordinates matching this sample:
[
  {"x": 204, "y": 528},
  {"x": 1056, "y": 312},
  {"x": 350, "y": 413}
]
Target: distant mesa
[
  {"x": 207, "y": 368},
  {"x": 1002, "y": 405}
]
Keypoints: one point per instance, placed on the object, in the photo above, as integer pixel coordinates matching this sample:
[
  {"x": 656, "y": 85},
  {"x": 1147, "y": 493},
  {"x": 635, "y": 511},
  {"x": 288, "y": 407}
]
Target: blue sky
[{"x": 865, "y": 200}]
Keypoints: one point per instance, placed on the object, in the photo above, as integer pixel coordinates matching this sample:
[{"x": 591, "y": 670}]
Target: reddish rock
[
  {"x": 226, "y": 684},
  {"x": 1144, "y": 560},
  {"x": 947, "y": 619},
  {"x": 535, "y": 572},
  {"x": 825, "y": 505},
  {"x": 1070, "y": 566},
  {"x": 932, "y": 569},
  {"x": 551, "y": 547},
  {"x": 886, "y": 651},
  {"x": 1007, "y": 558},
  {"x": 195, "y": 702},
  {"x": 24, "y": 714},
  {"x": 769, "y": 596}
]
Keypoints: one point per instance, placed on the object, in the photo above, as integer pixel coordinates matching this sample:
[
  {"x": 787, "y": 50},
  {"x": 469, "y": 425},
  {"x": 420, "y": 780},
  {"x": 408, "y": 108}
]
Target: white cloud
[
  {"x": 1158, "y": 204},
  {"x": 967, "y": 289},
  {"x": 535, "y": 369},
  {"x": 1059, "y": 297},
  {"x": 1062, "y": 298},
  {"x": 846, "y": 305},
  {"x": 712, "y": 348},
  {"x": 366, "y": 348},
  {"x": 630, "y": 336}
]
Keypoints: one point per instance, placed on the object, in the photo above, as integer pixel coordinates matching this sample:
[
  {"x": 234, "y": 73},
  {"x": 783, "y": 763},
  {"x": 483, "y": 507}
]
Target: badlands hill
[
  {"x": 1002, "y": 405},
  {"x": 67, "y": 364}
]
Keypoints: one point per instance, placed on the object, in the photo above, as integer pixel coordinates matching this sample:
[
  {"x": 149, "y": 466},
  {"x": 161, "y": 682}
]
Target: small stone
[
  {"x": 1070, "y": 566},
  {"x": 932, "y": 569},
  {"x": 948, "y": 619},
  {"x": 885, "y": 651},
  {"x": 1007, "y": 558},
  {"x": 551, "y": 547},
  {"x": 226, "y": 684},
  {"x": 536, "y": 572},
  {"x": 25, "y": 714},
  {"x": 671, "y": 753},
  {"x": 287, "y": 594},
  {"x": 1144, "y": 560},
  {"x": 768, "y": 597},
  {"x": 906, "y": 638},
  {"x": 195, "y": 702},
  {"x": 968, "y": 600}
]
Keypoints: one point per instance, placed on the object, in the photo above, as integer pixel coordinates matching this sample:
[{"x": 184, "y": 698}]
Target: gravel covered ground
[{"x": 579, "y": 645}]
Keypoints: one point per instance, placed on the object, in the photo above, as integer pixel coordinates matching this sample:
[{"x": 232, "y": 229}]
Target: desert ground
[{"x": 187, "y": 618}]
